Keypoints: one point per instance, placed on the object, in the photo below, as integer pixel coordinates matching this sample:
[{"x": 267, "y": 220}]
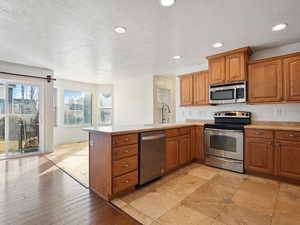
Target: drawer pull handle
[
  {"x": 126, "y": 165},
  {"x": 126, "y": 181},
  {"x": 257, "y": 133},
  {"x": 126, "y": 151},
  {"x": 126, "y": 139},
  {"x": 292, "y": 135}
]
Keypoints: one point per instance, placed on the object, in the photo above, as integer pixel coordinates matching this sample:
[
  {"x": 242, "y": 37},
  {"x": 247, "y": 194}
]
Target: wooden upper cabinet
[
  {"x": 265, "y": 82},
  {"x": 229, "y": 66},
  {"x": 200, "y": 88},
  {"x": 291, "y": 68},
  {"x": 236, "y": 67},
  {"x": 216, "y": 70},
  {"x": 186, "y": 90}
]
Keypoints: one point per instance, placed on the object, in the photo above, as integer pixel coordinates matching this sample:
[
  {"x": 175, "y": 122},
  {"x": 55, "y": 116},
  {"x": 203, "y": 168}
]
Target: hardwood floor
[{"x": 33, "y": 191}]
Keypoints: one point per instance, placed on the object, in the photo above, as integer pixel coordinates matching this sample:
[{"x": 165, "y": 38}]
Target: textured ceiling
[{"x": 75, "y": 38}]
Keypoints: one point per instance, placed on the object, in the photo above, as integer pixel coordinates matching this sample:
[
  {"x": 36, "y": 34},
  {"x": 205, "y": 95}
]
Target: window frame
[
  {"x": 64, "y": 107},
  {"x": 99, "y": 108}
]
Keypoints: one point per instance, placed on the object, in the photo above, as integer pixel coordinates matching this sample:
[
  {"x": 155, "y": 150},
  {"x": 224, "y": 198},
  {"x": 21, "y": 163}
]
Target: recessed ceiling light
[
  {"x": 176, "y": 57},
  {"x": 279, "y": 27},
  {"x": 120, "y": 30},
  {"x": 218, "y": 45},
  {"x": 167, "y": 3}
]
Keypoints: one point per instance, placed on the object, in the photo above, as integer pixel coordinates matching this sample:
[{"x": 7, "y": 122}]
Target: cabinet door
[
  {"x": 265, "y": 82},
  {"x": 216, "y": 70},
  {"x": 287, "y": 159},
  {"x": 291, "y": 67},
  {"x": 186, "y": 90},
  {"x": 259, "y": 155},
  {"x": 197, "y": 150},
  {"x": 201, "y": 88},
  {"x": 172, "y": 153},
  {"x": 236, "y": 67},
  {"x": 184, "y": 149}
]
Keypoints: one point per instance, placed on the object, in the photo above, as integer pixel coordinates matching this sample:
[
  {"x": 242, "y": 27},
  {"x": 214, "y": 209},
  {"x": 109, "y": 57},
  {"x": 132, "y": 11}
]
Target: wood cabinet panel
[
  {"x": 125, "y": 165},
  {"x": 259, "y": 133},
  {"x": 287, "y": 159},
  {"x": 184, "y": 149},
  {"x": 186, "y": 90},
  {"x": 291, "y": 67},
  {"x": 236, "y": 68},
  {"x": 197, "y": 151},
  {"x": 126, "y": 139},
  {"x": 201, "y": 88},
  {"x": 259, "y": 155},
  {"x": 172, "y": 153},
  {"x": 184, "y": 130},
  {"x": 265, "y": 82},
  {"x": 217, "y": 70},
  {"x": 172, "y": 132},
  {"x": 123, "y": 182},
  {"x": 125, "y": 151}
]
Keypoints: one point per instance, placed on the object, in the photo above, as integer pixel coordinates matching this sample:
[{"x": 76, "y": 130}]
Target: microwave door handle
[{"x": 235, "y": 94}]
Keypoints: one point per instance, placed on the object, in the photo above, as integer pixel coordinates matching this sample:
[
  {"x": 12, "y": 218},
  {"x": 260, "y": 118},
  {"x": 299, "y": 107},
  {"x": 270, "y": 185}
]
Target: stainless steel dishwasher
[{"x": 152, "y": 156}]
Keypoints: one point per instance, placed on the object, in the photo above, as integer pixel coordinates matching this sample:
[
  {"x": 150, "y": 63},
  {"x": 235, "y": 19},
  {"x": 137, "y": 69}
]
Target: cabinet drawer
[
  {"x": 126, "y": 181},
  {"x": 124, "y": 165},
  {"x": 172, "y": 132},
  {"x": 124, "y": 151},
  {"x": 184, "y": 130},
  {"x": 288, "y": 135},
  {"x": 126, "y": 139},
  {"x": 258, "y": 133}
]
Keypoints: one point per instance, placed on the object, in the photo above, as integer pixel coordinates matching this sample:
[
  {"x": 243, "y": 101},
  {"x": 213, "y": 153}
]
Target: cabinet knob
[
  {"x": 126, "y": 181},
  {"x": 126, "y": 151}
]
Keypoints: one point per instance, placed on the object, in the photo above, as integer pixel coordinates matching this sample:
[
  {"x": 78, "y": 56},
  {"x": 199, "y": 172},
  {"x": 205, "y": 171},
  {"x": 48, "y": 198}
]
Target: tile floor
[
  {"x": 73, "y": 158},
  {"x": 201, "y": 195}
]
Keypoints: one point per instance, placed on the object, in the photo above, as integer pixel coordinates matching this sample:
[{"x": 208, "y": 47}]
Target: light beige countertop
[
  {"x": 272, "y": 125},
  {"x": 114, "y": 130}
]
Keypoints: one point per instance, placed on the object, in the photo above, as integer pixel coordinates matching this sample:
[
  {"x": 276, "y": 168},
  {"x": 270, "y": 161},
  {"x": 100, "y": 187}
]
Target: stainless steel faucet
[{"x": 165, "y": 109}]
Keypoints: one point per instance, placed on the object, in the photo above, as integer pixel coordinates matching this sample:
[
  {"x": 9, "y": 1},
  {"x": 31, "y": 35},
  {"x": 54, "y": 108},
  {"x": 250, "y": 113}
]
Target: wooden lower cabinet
[
  {"x": 197, "y": 148},
  {"x": 172, "y": 153},
  {"x": 288, "y": 159},
  {"x": 184, "y": 149},
  {"x": 259, "y": 155}
]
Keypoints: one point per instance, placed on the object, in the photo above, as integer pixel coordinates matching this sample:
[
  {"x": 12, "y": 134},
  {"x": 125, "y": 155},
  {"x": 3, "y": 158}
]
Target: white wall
[
  {"x": 66, "y": 133},
  {"x": 133, "y": 100},
  {"x": 47, "y": 93},
  {"x": 266, "y": 112}
]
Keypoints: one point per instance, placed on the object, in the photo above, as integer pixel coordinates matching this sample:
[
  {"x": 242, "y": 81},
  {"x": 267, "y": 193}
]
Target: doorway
[{"x": 19, "y": 118}]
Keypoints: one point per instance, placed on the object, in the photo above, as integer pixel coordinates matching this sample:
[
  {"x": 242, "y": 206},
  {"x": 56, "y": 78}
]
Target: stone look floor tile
[
  {"x": 182, "y": 215},
  {"x": 209, "y": 199},
  {"x": 155, "y": 204},
  {"x": 204, "y": 172},
  {"x": 143, "y": 219},
  {"x": 236, "y": 215},
  {"x": 257, "y": 196},
  {"x": 119, "y": 203}
]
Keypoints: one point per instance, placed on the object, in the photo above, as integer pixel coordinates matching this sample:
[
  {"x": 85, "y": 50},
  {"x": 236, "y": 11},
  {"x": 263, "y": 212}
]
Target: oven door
[
  {"x": 222, "y": 95},
  {"x": 225, "y": 143}
]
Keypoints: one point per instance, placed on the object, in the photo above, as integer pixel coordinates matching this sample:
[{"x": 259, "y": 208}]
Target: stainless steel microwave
[{"x": 227, "y": 93}]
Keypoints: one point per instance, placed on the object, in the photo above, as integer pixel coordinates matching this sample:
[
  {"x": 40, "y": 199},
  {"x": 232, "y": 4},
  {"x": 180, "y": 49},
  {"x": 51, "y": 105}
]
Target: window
[
  {"x": 105, "y": 108},
  {"x": 77, "y": 107}
]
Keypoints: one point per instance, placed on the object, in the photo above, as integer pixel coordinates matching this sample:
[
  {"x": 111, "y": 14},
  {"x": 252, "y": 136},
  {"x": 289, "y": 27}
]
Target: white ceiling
[{"x": 75, "y": 38}]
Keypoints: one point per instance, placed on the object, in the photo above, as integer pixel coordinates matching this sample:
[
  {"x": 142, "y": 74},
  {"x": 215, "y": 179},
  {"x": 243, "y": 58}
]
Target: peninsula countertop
[{"x": 126, "y": 129}]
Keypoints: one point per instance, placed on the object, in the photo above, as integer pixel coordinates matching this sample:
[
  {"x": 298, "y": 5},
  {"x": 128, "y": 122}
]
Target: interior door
[{"x": 19, "y": 118}]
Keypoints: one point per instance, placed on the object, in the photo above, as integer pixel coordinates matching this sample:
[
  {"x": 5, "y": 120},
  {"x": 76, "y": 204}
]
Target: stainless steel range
[{"x": 224, "y": 140}]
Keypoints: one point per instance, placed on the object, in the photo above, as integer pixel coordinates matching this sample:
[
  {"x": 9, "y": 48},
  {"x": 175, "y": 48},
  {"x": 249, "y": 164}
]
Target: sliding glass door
[{"x": 19, "y": 118}]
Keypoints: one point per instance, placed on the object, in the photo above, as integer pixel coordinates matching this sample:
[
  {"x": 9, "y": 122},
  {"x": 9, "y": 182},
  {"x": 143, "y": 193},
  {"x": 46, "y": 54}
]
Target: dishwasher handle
[{"x": 153, "y": 137}]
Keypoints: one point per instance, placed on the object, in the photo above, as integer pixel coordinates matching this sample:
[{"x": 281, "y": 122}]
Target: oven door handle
[{"x": 223, "y": 131}]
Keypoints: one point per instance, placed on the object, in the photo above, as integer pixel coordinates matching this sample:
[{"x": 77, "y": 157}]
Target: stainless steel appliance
[
  {"x": 227, "y": 93},
  {"x": 152, "y": 156},
  {"x": 224, "y": 140}
]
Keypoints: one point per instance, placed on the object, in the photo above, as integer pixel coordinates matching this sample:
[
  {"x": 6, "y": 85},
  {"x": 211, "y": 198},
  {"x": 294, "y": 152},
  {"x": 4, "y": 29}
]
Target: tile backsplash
[{"x": 266, "y": 112}]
